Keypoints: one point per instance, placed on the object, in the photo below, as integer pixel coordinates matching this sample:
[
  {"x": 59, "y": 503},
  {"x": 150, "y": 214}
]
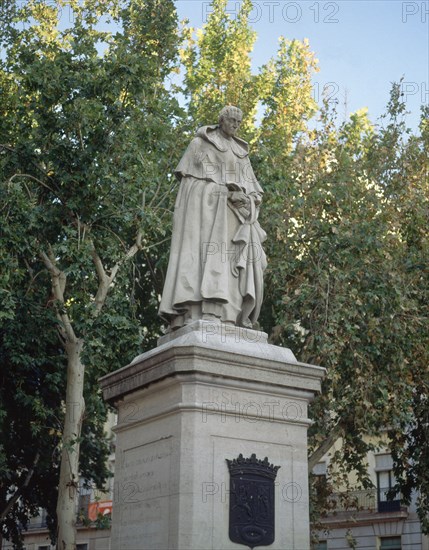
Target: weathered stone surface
[
  {"x": 207, "y": 393},
  {"x": 217, "y": 260}
]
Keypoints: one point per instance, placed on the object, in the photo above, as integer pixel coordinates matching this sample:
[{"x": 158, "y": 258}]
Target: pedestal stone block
[{"x": 207, "y": 393}]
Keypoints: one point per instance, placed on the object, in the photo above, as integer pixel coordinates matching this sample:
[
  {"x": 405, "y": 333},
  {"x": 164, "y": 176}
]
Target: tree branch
[
  {"x": 103, "y": 281},
  {"x": 19, "y": 490},
  {"x": 40, "y": 169},
  {"x": 59, "y": 279},
  {"x": 318, "y": 454},
  {"x": 40, "y": 182},
  {"x": 98, "y": 264},
  {"x": 106, "y": 280},
  {"x": 130, "y": 254}
]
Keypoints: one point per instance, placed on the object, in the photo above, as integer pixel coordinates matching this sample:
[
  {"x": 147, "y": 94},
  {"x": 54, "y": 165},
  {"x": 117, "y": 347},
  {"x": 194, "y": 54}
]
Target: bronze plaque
[{"x": 251, "y": 501}]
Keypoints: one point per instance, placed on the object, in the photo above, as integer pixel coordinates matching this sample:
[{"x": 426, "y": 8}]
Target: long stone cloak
[{"x": 216, "y": 258}]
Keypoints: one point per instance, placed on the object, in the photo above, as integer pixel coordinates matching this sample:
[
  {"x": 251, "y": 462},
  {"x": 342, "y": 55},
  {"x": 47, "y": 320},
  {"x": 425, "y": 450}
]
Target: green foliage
[
  {"x": 217, "y": 66},
  {"x": 88, "y": 137},
  {"x": 410, "y": 195},
  {"x": 345, "y": 209},
  {"x": 286, "y": 93},
  {"x": 349, "y": 261},
  {"x": 30, "y": 400}
]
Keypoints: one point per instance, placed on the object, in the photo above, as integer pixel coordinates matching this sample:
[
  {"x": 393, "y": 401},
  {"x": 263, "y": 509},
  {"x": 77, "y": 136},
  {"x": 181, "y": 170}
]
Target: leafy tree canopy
[
  {"x": 90, "y": 130},
  {"x": 88, "y": 136}
]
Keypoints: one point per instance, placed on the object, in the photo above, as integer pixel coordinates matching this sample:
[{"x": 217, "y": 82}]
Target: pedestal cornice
[{"x": 214, "y": 350}]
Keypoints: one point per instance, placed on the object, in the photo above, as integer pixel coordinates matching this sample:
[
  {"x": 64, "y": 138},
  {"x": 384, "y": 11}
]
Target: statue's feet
[
  {"x": 246, "y": 323},
  {"x": 211, "y": 317}
]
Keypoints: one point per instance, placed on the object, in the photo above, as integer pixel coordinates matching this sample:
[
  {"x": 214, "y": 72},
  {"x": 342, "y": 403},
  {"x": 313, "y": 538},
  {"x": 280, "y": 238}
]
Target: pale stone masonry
[{"x": 207, "y": 393}]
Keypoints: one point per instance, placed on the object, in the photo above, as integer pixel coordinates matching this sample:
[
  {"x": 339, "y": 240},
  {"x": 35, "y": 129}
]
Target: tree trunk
[
  {"x": 75, "y": 406},
  {"x": 69, "y": 471}
]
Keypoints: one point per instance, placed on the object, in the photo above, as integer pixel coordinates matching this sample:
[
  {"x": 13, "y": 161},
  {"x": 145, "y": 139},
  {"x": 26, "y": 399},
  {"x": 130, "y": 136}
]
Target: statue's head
[{"x": 230, "y": 119}]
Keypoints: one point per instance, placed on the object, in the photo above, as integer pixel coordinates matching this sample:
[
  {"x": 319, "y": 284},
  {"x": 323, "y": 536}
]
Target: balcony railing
[
  {"x": 354, "y": 501},
  {"x": 38, "y": 522},
  {"x": 369, "y": 500},
  {"x": 386, "y": 501}
]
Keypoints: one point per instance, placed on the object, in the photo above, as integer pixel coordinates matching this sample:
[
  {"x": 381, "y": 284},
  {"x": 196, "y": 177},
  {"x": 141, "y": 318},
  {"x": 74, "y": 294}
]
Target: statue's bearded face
[{"x": 229, "y": 124}]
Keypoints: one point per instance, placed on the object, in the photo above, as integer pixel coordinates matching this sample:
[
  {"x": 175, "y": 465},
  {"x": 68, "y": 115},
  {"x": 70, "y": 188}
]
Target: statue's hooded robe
[{"x": 216, "y": 259}]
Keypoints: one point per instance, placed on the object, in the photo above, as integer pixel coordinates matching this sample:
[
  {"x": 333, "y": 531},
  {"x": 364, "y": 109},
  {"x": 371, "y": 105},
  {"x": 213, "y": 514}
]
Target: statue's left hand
[
  {"x": 257, "y": 198},
  {"x": 239, "y": 199}
]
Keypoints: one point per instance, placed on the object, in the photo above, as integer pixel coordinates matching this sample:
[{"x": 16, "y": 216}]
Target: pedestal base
[{"x": 207, "y": 393}]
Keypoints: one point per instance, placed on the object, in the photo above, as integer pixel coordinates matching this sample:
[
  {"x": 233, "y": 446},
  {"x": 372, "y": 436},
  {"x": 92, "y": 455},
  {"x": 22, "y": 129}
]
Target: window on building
[
  {"x": 320, "y": 479},
  {"x": 82, "y": 507},
  {"x": 82, "y": 546},
  {"x": 320, "y": 469},
  {"x": 390, "y": 543},
  {"x": 387, "y": 502},
  {"x": 321, "y": 545},
  {"x": 44, "y": 547},
  {"x": 38, "y": 521}
]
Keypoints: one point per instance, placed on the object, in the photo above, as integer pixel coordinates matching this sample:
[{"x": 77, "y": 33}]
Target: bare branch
[
  {"x": 106, "y": 280},
  {"x": 130, "y": 254},
  {"x": 54, "y": 271},
  {"x": 163, "y": 197},
  {"x": 40, "y": 182},
  {"x": 19, "y": 490},
  {"x": 318, "y": 454},
  {"x": 98, "y": 264},
  {"x": 8, "y": 147},
  {"x": 103, "y": 281},
  {"x": 327, "y": 302},
  {"x": 59, "y": 279},
  {"x": 158, "y": 243},
  {"x": 105, "y": 228}
]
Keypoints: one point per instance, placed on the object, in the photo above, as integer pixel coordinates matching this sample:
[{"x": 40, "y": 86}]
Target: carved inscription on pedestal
[{"x": 143, "y": 495}]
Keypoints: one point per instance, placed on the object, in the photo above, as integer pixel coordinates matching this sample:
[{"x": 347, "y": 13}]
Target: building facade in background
[{"x": 372, "y": 519}]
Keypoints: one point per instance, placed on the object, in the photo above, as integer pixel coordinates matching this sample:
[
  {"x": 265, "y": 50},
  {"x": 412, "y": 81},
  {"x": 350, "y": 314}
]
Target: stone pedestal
[{"x": 207, "y": 393}]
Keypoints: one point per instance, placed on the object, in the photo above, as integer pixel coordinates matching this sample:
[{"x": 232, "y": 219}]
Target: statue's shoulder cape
[
  {"x": 211, "y": 157},
  {"x": 239, "y": 147}
]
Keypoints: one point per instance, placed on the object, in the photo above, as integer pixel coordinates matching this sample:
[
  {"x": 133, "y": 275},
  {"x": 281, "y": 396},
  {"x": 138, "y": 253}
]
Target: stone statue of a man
[{"x": 216, "y": 265}]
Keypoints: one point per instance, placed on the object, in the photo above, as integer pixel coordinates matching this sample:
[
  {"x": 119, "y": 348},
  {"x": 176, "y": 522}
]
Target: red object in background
[{"x": 103, "y": 507}]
